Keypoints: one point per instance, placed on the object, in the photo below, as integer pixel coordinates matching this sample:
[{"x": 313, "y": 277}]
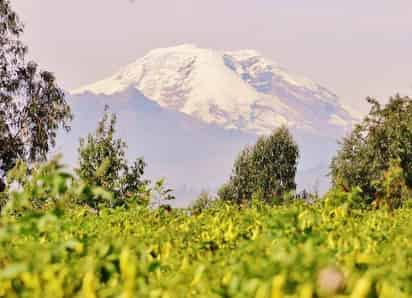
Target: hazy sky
[{"x": 353, "y": 47}]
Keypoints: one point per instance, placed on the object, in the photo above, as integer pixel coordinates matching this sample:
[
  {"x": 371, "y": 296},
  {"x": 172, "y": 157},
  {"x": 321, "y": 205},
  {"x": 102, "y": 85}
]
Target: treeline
[
  {"x": 373, "y": 166},
  {"x": 374, "y": 162}
]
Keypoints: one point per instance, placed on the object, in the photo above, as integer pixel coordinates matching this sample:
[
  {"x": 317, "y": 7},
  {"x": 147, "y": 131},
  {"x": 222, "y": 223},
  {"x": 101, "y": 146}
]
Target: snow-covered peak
[
  {"x": 236, "y": 89},
  {"x": 262, "y": 72}
]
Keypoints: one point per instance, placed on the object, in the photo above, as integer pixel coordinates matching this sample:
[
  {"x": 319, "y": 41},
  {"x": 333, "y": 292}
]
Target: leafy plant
[
  {"x": 160, "y": 193},
  {"x": 43, "y": 186},
  {"x": 292, "y": 250},
  {"x": 352, "y": 199},
  {"x": 102, "y": 163},
  {"x": 267, "y": 169},
  {"x": 47, "y": 186},
  {"x": 227, "y": 192},
  {"x": 202, "y": 202},
  {"x": 392, "y": 188},
  {"x": 385, "y": 134}
]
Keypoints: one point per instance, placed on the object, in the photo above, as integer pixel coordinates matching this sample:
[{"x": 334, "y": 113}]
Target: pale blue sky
[{"x": 353, "y": 47}]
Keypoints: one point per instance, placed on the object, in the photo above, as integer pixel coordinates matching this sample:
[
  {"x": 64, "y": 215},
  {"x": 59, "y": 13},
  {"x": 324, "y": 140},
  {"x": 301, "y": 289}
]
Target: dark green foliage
[
  {"x": 244, "y": 176},
  {"x": 32, "y": 106},
  {"x": 275, "y": 159},
  {"x": 102, "y": 163},
  {"x": 265, "y": 171},
  {"x": 365, "y": 155}
]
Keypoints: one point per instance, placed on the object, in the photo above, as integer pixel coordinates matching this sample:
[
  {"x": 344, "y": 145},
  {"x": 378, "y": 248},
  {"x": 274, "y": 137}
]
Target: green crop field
[{"x": 289, "y": 251}]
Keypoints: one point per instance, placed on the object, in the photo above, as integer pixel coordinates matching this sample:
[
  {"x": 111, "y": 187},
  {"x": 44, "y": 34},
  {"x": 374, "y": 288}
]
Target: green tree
[
  {"x": 266, "y": 170},
  {"x": 275, "y": 158},
  {"x": 244, "y": 176},
  {"x": 392, "y": 187},
  {"x": 32, "y": 106},
  {"x": 102, "y": 162},
  {"x": 227, "y": 192},
  {"x": 384, "y": 135}
]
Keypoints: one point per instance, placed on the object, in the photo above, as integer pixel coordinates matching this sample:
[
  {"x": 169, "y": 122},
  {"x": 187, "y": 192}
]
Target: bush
[
  {"x": 266, "y": 170},
  {"x": 46, "y": 186},
  {"x": 392, "y": 187},
  {"x": 227, "y": 192},
  {"x": 42, "y": 186},
  {"x": 365, "y": 155},
  {"x": 202, "y": 202},
  {"x": 352, "y": 199},
  {"x": 102, "y": 163},
  {"x": 159, "y": 194}
]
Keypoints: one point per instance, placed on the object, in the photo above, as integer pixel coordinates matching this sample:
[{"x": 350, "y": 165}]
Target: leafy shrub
[
  {"x": 39, "y": 187},
  {"x": 159, "y": 193},
  {"x": 337, "y": 197},
  {"x": 102, "y": 163},
  {"x": 385, "y": 134},
  {"x": 227, "y": 192},
  {"x": 267, "y": 169},
  {"x": 202, "y": 202},
  {"x": 46, "y": 186},
  {"x": 392, "y": 188}
]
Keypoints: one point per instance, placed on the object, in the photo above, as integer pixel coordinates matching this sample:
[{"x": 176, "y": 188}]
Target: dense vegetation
[
  {"x": 102, "y": 163},
  {"x": 378, "y": 145},
  {"x": 295, "y": 250},
  {"x": 265, "y": 170},
  {"x": 105, "y": 231}
]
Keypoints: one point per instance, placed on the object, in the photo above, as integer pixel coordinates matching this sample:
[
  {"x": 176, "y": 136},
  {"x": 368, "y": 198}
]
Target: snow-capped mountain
[
  {"x": 237, "y": 90},
  {"x": 189, "y": 111}
]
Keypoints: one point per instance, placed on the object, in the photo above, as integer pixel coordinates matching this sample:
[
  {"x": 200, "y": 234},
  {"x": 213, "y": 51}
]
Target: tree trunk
[{"x": 2, "y": 185}]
